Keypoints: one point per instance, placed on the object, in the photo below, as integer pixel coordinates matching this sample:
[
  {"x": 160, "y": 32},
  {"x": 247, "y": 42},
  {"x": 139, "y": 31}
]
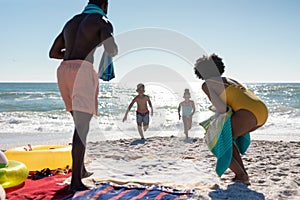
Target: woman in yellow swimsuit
[{"x": 249, "y": 111}]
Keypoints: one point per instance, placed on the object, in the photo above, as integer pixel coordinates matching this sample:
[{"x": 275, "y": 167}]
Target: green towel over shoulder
[
  {"x": 218, "y": 138},
  {"x": 106, "y": 67}
]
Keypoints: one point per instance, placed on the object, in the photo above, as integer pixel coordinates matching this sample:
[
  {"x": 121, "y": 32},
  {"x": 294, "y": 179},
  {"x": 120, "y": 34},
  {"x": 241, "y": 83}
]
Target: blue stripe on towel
[{"x": 129, "y": 192}]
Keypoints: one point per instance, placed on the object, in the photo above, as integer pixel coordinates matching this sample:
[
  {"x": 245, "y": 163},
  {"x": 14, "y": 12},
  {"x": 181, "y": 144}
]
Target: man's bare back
[{"x": 80, "y": 37}]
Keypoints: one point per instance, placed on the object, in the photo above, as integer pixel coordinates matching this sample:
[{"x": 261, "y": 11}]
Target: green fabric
[
  {"x": 106, "y": 67},
  {"x": 218, "y": 138},
  {"x": 2, "y": 165},
  {"x": 92, "y": 8},
  {"x": 106, "y": 70}
]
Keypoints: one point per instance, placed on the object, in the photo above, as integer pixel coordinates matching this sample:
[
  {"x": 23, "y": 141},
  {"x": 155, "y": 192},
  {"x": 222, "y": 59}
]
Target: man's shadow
[{"x": 235, "y": 191}]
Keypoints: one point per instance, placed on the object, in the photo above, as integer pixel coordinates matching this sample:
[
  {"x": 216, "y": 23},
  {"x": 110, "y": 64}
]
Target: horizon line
[{"x": 117, "y": 82}]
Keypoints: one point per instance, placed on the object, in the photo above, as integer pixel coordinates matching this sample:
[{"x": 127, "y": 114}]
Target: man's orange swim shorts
[{"x": 78, "y": 85}]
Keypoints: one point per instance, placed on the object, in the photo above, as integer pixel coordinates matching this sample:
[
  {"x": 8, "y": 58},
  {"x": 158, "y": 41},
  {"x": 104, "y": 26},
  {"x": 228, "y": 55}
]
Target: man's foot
[
  {"x": 75, "y": 188},
  {"x": 87, "y": 174}
]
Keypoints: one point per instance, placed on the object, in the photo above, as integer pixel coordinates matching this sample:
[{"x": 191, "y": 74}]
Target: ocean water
[{"x": 35, "y": 112}]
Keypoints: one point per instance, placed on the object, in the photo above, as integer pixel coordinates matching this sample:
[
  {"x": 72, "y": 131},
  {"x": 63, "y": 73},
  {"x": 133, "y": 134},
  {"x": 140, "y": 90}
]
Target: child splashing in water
[
  {"x": 142, "y": 113},
  {"x": 188, "y": 110}
]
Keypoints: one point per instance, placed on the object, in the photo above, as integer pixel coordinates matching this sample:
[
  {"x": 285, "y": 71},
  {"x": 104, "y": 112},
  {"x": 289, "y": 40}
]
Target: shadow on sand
[
  {"x": 139, "y": 141},
  {"x": 236, "y": 191}
]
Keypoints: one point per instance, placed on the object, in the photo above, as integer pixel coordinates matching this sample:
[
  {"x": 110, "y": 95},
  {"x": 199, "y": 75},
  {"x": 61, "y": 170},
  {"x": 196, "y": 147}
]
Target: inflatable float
[
  {"x": 13, "y": 174},
  {"x": 2, "y": 193},
  {"x": 43, "y": 156},
  {"x": 3, "y": 160}
]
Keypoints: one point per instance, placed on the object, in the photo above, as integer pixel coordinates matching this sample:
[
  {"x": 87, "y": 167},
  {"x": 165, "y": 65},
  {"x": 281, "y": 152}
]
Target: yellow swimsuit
[{"x": 237, "y": 97}]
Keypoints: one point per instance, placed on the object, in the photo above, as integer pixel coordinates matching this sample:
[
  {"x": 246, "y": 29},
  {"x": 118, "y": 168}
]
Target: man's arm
[
  {"x": 109, "y": 43},
  {"x": 110, "y": 46},
  {"x": 57, "y": 50}
]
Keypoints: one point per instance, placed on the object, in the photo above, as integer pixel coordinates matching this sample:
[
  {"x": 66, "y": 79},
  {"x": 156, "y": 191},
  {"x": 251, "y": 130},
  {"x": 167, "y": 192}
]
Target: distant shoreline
[{"x": 268, "y": 82}]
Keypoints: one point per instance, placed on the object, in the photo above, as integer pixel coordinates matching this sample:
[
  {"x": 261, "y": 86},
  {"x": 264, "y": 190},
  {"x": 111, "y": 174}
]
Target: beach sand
[{"x": 273, "y": 167}]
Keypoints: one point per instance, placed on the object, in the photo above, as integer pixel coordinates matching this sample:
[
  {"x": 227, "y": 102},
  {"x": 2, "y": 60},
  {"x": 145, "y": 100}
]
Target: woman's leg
[
  {"x": 238, "y": 168},
  {"x": 242, "y": 122}
]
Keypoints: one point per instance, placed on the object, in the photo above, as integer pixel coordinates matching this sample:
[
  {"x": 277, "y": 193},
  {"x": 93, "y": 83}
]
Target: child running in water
[
  {"x": 188, "y": 110},
  {"x": 142, "y": 113}
]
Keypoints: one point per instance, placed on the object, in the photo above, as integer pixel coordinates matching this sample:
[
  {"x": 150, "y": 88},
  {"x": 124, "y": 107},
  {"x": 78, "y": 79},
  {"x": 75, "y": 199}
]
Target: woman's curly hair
[{"x": 207, "y": 64}]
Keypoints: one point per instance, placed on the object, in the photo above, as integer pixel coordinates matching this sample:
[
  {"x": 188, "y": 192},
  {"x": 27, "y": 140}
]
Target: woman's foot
[{"x": 243, "y": 179}]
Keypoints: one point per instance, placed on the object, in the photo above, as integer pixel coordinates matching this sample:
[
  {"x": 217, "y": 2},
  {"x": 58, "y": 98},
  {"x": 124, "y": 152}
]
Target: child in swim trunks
[
  {"x": 188, "y": 110},
  {"x": 249, "y": 114},
  {"x": 142, "y": 113}
]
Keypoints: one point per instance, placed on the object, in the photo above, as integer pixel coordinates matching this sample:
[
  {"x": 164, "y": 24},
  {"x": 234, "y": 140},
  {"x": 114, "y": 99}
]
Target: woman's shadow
[{"x": 235, "y": 191}]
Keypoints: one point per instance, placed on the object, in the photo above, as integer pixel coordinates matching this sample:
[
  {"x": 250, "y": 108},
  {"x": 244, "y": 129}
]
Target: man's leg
[
  {"x": 81, "y": 121},
  {"x": 85, "y": 173}
]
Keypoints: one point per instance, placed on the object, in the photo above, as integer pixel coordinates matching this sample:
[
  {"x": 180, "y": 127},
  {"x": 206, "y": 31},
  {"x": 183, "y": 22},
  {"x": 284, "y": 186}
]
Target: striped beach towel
[
  {"x": 218, "y": 138},
  {"x": 110, "y": 192}
]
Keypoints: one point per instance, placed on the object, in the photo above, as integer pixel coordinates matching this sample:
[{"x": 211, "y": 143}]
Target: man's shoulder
[{"x": 99, "y": 19}]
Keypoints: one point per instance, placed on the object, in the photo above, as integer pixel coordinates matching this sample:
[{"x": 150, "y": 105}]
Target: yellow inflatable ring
[
  {"x": 42, "y": 156},
  {"x": 14, "y": 174}
]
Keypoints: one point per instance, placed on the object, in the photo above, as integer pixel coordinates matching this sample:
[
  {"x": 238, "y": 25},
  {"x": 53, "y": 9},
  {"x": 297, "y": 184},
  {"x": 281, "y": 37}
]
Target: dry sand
[{"x": 273, "y": 167}]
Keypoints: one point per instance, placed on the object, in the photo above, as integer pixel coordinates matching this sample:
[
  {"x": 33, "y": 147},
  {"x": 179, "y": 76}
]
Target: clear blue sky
[{"x": 258, "y": 39}]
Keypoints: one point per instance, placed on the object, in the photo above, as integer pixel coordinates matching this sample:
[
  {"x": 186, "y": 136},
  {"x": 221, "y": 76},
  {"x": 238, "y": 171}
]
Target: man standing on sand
[{"x": 77, "y": 79}]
